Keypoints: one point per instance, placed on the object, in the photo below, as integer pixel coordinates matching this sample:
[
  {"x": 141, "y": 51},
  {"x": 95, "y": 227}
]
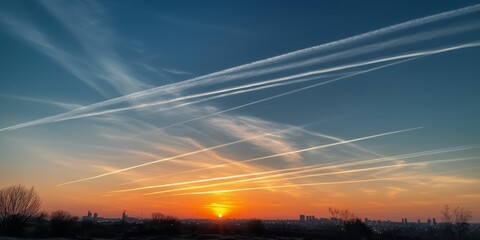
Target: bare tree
[
  {"x": 156, "y": 216},
  {"x": 350, "y": 226},
  {"x": 456, "y": 223},
  {"x": 17, "y": 205},
  {"x": 164, "y": 224},
  {"x": 344, "y": 215}
]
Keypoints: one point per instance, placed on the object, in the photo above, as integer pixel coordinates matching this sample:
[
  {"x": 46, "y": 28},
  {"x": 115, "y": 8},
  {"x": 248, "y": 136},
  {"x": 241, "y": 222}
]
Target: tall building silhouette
[{"x": 124, "y": 216}]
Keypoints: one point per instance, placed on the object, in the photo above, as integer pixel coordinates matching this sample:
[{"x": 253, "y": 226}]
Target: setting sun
[{"x": 219, "y": 209}]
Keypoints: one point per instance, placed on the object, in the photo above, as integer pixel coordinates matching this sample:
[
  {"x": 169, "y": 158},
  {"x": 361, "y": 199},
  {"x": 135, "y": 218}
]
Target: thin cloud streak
[
  {"x": 207, "y": 180},
  {"x": 173, "y": 157},
  {"x": 286, "y": 186},
  {"x": 318, "y": 167},
  {"x": 272, "y": 156},
  {"x": 295, "y": 128},
  {"x": 315, "y": 175},
  {"x": 234, "y": 142},
  {"x": 302, "y": 176},
  {"x": 422, "y": 163}
]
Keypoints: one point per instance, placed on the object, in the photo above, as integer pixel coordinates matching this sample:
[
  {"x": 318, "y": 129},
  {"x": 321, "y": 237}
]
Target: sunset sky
[{"x": 249, "y": 109}]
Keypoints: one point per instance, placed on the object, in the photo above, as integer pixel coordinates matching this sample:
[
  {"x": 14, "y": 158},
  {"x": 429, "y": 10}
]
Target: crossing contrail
[
  {"x": 181, "y": 155},
  {"x": 268, "y": 178},
  {"x": 301, "y": 170},
  {"x": 376, "y": 168},
  {"x": 276, "y": 155},
  {"x": 234, "y": 142},
  {"x": 223, "y": 73},
  {"x": 408, "y": 57},
  {"x": 260, "y": 86},
  {"x": 286, "y": 186},
  {"x": 287, "y": 80},
  {"x": 299, "y": 128},
  {"x": 208, "y": 179},
  {"x": 316, "y": 175}
]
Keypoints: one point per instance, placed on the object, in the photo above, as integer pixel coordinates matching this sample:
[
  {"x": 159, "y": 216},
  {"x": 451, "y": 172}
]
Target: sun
[{"x": 218, "y": 209}]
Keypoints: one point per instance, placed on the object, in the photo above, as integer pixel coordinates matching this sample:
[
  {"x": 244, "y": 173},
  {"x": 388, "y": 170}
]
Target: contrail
[
  {"x": 179, "y": 156},
  {"x": 329, "y": 145},
  {"x": 252, "y": 65},
  {"x": 286, "y": 186},
  {"x": 376, "y": 168},
  {"x": 208, "y": 180},
  {"x": 320, "y": 174},
  {"x": 275, "y": 155},
  {"x": 408, "y": 57},
  {"x": 316, "y": 167},
  {"x": 222, "y": 93},
  {"x": 230, "y": 143},
  {"x": 269, "y": 84},
  {"x": 296, "y": 128}
]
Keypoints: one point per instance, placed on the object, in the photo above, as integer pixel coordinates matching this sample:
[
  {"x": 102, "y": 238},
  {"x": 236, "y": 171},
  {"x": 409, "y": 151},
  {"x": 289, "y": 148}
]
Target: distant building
[
  {"x": 419, "y": 221},
  {"x": 95, "y": 216},
  {"x": 124, "y": 216},
  {"x": 302, "y": 218},
  {"x": 429, "y": 221},
  {"x": 434, "y": 222}
]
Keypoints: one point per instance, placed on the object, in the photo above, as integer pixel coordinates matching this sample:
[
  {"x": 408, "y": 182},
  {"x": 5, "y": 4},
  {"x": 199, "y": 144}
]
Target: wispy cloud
[
  {"x": 272, "y": 138},
  {"x": 64, "y": 105},
  {"x": 38, "y": 40},
  {"x": 176, "y": 71},
  {"x": 87, "y": 21}
]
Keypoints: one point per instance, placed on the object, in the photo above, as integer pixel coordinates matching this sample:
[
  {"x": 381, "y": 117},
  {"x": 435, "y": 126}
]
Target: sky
[{"x": 249, "y": 109}]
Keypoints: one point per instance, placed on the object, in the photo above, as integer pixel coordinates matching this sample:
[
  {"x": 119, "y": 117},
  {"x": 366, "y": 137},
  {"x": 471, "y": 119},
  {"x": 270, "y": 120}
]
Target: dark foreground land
[{"x": 173, "y": 229}]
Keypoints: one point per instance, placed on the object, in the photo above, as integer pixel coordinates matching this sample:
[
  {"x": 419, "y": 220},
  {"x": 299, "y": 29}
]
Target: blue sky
[{"x": 59, "y": 56}]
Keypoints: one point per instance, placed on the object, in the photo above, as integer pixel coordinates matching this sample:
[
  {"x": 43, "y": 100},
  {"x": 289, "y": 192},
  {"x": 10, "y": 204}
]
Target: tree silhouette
[
  {"x": 344, "y": 215},
  {"x": 17, "y": 205},
  {"x": 351, "y": 226},
  {"x": 164, "y": 224},
  {"x": 456, "y": 224},
  {"x": 62, "y": 223}
]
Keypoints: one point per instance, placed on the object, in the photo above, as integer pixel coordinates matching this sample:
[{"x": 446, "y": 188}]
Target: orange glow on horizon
[{"x": 219, "y": 209}]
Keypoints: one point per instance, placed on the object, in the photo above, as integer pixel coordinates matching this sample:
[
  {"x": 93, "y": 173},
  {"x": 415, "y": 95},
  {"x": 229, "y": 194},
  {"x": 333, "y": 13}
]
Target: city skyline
[{"x": 240, "y": 109}]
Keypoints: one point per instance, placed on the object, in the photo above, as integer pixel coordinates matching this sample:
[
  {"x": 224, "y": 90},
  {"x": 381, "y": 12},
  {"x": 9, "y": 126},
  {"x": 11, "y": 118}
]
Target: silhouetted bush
[
  {"x": 40, "y": 228},
  {"x": 455, "y": 225},
  {"x": 63, "y": 224},
  {"x": 162, "y": 224},
  {"x": 356, "y": 229}
]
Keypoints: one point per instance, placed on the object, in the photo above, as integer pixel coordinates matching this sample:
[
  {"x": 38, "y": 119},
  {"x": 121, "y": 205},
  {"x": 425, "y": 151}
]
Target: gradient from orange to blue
[{"x": 380, "y": 117}]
